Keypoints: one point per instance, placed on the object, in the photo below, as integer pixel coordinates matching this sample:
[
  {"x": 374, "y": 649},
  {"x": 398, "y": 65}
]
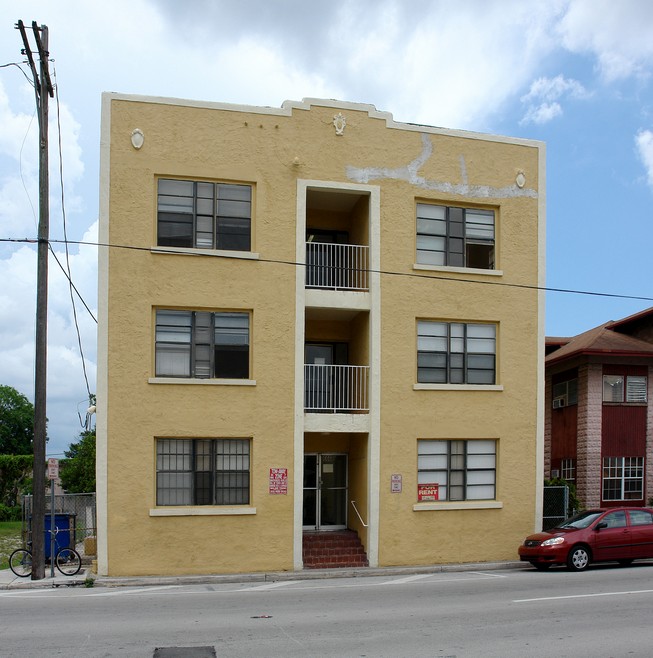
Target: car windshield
[{"x": 582, "y": 520}]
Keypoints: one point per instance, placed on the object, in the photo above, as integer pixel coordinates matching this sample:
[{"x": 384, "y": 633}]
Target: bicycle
[{"x": 66, "y": 559}]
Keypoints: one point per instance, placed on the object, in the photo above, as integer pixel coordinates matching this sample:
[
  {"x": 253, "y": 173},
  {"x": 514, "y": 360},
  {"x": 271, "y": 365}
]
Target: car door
[
  {"x": 613, "y": 540},
  {"x": 641, "y": 529}
]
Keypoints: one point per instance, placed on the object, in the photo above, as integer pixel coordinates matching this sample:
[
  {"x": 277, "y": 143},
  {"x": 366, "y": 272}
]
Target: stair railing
[{"x": 353, "y": 502}]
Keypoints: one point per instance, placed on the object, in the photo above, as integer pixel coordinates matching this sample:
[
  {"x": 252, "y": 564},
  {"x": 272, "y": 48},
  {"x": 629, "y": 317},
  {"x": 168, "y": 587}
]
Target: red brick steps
[{"x": 333, "y": 550}]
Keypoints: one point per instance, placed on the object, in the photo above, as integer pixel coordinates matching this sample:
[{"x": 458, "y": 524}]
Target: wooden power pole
[{"x": 43, "y": 89}]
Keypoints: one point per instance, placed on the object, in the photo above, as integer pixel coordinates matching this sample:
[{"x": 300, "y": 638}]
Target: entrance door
[{"x": 325, "y": 491}]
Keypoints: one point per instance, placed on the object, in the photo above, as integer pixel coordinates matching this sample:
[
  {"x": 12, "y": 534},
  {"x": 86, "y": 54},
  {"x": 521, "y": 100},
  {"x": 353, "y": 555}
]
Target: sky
[{"x": 576, "y": 74}]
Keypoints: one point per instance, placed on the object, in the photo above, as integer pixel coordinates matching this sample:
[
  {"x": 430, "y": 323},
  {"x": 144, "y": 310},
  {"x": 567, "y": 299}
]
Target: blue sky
[{"x": 573, "y": 73}]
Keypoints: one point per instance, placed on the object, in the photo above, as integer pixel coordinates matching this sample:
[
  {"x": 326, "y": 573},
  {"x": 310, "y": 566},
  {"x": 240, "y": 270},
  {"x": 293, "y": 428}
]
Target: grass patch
[{"x": 10, "y": 540}]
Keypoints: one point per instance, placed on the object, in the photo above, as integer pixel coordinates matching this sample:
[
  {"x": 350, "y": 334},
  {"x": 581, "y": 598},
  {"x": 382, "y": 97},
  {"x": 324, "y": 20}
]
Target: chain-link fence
[
  {"x": 555, "y": 508},
  {"x": 74, "y": 519}
]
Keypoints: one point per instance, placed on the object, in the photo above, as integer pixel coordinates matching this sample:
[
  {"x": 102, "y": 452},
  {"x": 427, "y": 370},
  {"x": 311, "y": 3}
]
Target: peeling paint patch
[{"x": 410, "y": 174}]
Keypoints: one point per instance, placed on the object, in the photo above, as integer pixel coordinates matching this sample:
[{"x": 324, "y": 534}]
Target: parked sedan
[{"x": 620, "y": 534}]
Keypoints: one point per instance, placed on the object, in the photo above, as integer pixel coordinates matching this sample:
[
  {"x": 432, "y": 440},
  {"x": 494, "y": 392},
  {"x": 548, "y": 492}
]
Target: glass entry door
[{"x": 325, "y": 491}]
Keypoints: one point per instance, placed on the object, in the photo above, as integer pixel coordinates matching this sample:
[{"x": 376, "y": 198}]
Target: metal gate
[{"x": 555, "y": 508}]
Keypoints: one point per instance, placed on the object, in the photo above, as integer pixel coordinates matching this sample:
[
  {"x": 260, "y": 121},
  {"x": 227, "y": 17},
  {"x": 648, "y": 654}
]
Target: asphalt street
[{"x": 513, "y": 612}]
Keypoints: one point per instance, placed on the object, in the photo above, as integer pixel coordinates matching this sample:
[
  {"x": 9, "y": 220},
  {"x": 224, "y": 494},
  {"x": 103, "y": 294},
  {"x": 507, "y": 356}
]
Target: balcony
[
  {"x": 337, "y": 266},
  {"x": 335, "y": 389}
]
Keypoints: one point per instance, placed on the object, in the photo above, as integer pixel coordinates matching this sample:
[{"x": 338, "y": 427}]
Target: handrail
[{"x": 353, "y": 502}]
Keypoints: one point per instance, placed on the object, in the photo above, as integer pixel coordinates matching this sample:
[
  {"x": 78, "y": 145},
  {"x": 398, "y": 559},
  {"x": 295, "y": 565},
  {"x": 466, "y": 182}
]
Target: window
[
  {"x": 202, "y": 471},
  {"x": 457, "y": 237},
  {"x": 640, "y": 517},
  {"x": 623, "y": 478},
  {"x": 204, "y": 215},
  {"x": 565, "y": 393},
  {"x": 456, "y": 353},
  {"x": 568, "y": 469},
  {"x": 635, "y": 388},
  {"x": 463, "y": 470},
  {"x": 202, "y": 345}
]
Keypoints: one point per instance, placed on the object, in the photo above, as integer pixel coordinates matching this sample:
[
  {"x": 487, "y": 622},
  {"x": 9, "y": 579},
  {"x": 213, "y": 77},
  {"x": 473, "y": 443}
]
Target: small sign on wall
[
  {"x": 278, "y": 481},
  {"x": 428, "y": 492},
  {"x": 395, "y": 483}
]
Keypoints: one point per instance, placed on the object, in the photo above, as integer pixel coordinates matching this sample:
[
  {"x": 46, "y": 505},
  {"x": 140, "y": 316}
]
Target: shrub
[{"x": 10, "y": 513}]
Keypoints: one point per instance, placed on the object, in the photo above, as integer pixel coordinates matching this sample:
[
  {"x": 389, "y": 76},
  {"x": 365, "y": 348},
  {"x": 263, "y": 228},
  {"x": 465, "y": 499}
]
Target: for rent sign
[{"x": 430, "y": 491}]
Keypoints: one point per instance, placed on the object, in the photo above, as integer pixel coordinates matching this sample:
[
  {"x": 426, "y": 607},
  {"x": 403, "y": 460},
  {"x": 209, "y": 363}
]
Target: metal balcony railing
[
  {"x": 336, "y": 266},
  {"x": 335, "y": 388}
]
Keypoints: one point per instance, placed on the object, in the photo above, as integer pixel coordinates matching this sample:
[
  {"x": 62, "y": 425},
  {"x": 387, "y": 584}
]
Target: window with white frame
[
  {"x": 202, "y": 344},
  {"x": 623, "y": 478},
  {"x": 202, "y": 471},
  {"x": 462, "y": 470},
  {"x": 455, "y": 237},
  {"x": 568, "y": 469},
  {"x": 204, "y": 215},
  {"x": 456, "y": 353},
  {"x": 620, "y": 388},
  {"x": 565, "y": 394}
]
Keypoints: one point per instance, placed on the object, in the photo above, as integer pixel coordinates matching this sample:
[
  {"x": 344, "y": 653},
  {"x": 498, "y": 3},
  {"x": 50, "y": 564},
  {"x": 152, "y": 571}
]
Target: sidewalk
[{"x": 9, "y": 581}]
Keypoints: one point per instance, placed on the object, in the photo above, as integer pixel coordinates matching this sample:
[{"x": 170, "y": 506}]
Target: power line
[{"x": 415, "y": 275}]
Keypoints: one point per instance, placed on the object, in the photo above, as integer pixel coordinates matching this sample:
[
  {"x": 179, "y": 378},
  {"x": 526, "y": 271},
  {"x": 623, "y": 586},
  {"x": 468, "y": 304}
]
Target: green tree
[
  {"x": 77, "y": 471},
  {"x": 16, "y": 422},
  {"x": 15, "y": 477}
]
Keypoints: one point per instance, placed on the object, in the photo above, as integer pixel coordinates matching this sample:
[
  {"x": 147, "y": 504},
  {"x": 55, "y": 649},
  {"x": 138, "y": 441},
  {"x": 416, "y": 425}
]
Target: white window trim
[
  {"x": 456, "y": 270},
  {"x": 202, "y": 511},
  {"x": 222, "y": 253},
  {"x": 457, "y": 387},
  {"x": 458, "y": 505},
  {"x": 193, "y": 381}
]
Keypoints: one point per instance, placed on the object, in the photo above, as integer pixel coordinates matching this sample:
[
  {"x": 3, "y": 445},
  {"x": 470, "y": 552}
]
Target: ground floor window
[
  {"x": 456, "y": 470},
  {"x": 202, "y": 471},
  {"x": 568, "y": 469},
  {"x": 623, "y": 478}
]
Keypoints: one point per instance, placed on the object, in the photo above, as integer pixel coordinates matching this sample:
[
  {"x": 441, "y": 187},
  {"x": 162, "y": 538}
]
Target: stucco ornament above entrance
[
  {"x": 410, "y": 174},
  {"x": 339, "y": 122}
]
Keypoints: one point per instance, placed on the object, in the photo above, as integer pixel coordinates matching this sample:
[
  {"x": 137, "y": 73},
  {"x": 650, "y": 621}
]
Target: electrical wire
[
  {"x": 65, "y": 234},
  {"x": 430, "y": 277}
]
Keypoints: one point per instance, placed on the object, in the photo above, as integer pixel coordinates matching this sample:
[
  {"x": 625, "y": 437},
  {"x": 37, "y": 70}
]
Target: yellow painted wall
[{"x": 272, "y": 151}]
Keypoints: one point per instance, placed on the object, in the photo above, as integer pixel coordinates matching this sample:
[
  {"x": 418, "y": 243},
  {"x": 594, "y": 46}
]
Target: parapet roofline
[{"x": 288, "y": 107}]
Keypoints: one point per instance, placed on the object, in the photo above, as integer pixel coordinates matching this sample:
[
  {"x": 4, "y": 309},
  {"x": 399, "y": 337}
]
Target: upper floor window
[
  {"x": 204, "y": 215},
  {"x": 202, "y": 344},
  {"x": 565, "y": 393},
  {"x": 623, "y": 478},
  {"x": 619, "y": 388},
  {"x": 456, "y": 353},
  {"x": 455, "y": 237}
]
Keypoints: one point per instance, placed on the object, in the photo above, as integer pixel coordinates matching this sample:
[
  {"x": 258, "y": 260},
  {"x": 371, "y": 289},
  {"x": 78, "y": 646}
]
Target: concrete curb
[{"x": 82, "y": 579}]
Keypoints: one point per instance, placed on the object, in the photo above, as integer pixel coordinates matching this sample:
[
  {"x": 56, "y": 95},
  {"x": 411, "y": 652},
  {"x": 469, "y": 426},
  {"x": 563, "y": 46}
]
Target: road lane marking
[
  {"x": 259, "y": 588},
  {"x": 407, "y": 579},
  {"x": 584, "y": 596}
]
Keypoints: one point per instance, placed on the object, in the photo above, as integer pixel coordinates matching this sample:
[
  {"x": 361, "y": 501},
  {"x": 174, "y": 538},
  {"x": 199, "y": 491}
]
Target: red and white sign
[
  {"x": 278, "y": 481},
  {"x": 395, "y": 483},
  {"x": 426, "y": 492},
  {"x": 53, "y": 468}
]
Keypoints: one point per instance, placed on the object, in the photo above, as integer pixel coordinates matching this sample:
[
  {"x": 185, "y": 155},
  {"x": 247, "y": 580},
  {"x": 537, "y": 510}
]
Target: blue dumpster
[{"x": 65, "y": 532}]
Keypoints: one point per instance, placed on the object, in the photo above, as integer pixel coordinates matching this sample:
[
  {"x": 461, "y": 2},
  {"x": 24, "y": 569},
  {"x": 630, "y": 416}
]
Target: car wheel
[
  {"x": 579, "y": 558},
  {"x": 625, "y": 563},
  {"x": 541, "y": 566}
]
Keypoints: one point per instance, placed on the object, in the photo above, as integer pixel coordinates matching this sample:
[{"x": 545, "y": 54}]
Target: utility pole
[{"x": 42, "y": 88}]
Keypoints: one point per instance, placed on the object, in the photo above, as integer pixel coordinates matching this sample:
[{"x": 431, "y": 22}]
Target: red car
[{"x": 620, "y": 534}]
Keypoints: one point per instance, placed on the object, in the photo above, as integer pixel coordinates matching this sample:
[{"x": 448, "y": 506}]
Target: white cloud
[
  {"x": 542, "y": 99},
  {"x": 617, "y": 33},
  {"x": 644, "y": 144}
]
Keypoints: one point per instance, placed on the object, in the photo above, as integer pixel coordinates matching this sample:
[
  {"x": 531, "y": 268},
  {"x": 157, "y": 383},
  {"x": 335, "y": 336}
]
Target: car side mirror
[{"x": 600, "y": 526}]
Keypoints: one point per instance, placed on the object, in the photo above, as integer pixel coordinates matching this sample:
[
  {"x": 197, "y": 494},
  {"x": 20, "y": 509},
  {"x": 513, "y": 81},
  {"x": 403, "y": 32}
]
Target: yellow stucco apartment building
[{"x": 316, "y": 323}]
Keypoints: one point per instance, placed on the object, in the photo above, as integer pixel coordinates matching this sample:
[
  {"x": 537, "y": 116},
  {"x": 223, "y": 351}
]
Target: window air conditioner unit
[{"x": 558, "y": 403}]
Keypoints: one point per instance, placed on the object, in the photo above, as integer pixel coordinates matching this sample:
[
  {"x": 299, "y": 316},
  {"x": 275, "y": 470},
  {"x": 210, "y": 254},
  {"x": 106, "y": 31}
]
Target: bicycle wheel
[
  {"x": 20, "y": 562},
  {"x": 68, "y": 561}
]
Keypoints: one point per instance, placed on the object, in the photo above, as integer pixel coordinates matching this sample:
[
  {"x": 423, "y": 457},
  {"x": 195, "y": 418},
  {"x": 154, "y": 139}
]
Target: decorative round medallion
[{"x": 137, "y": 138}]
